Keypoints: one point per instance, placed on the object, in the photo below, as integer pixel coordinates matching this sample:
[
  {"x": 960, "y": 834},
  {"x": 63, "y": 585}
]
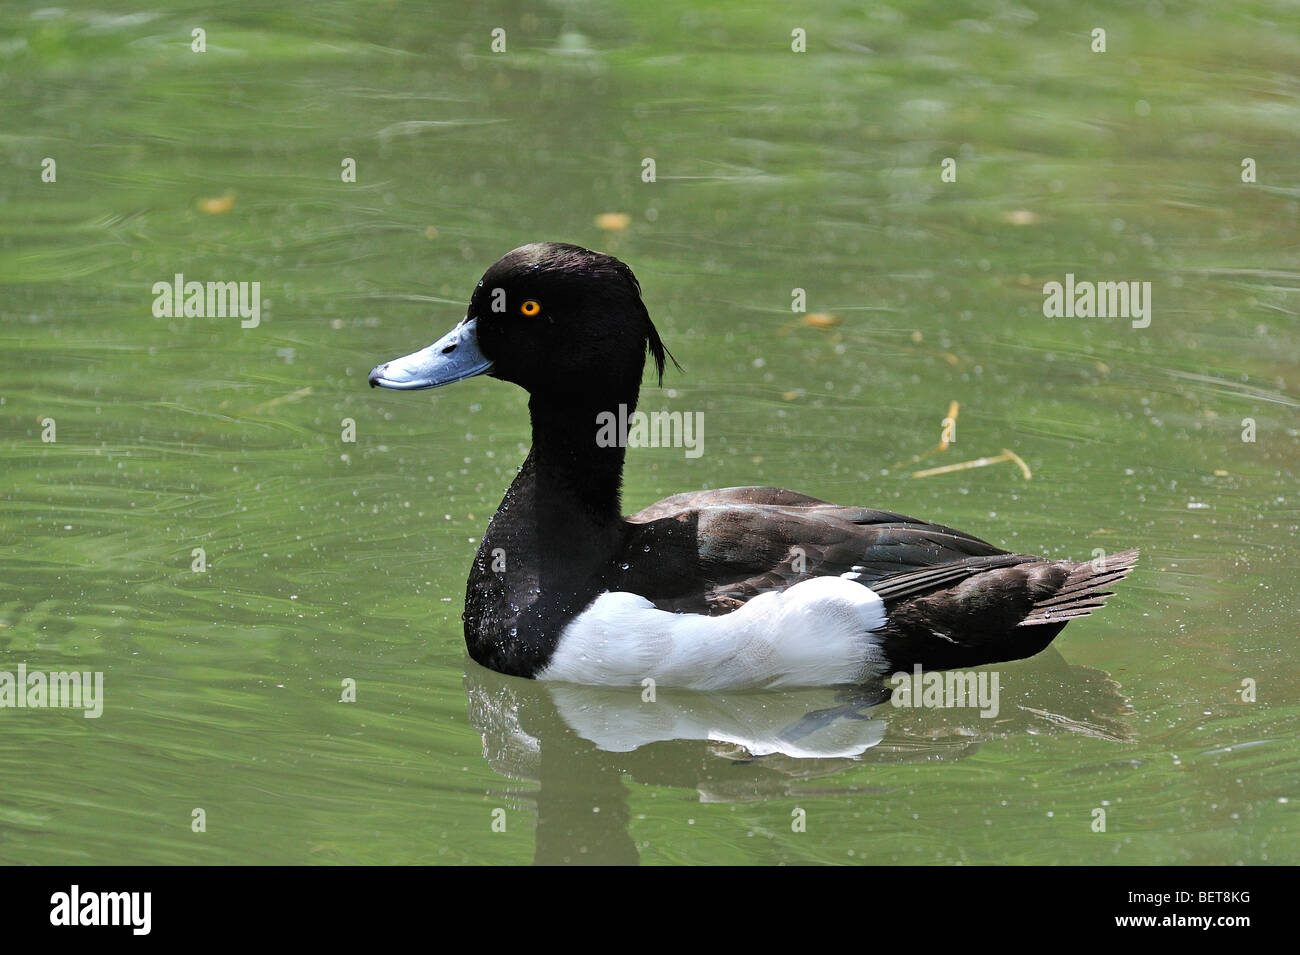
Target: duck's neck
[
  {"x": 553, "y": 541},
  {"x": 576, "y": 479}
]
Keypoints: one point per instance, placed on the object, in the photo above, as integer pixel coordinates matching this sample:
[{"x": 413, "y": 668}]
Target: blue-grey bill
[{"x": 453, "y": 357}]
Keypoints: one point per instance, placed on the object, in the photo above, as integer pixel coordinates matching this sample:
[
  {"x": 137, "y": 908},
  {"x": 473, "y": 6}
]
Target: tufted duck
[{"x": 728, "y": 589}]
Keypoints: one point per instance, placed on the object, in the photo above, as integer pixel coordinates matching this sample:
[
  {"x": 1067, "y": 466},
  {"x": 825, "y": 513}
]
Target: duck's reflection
[{"x": 577, "y": 742}]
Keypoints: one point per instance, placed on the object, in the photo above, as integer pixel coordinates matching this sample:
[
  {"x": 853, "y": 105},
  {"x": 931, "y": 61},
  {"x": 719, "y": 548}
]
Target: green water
[{"x": 330, "y": 560}]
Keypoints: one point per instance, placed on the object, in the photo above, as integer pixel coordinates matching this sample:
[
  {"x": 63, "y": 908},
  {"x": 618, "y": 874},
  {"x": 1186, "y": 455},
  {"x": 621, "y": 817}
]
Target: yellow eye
[{"x": 530, "y": 308}]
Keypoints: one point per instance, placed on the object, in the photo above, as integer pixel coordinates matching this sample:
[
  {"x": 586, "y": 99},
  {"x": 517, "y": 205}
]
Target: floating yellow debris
[
  {"x": 219, "y": 205},
  {"x": 790, "y": 395},
  {"x": 1024, "y": 468},
  {"x": 268, "y": 405},
  {"x": 1021, "y": 217},
  {"x": 1006, "y": 455},
  {"x": 1219, "y": 472},
  {"x": 947, "y": 436},
  {"x": 917, "y": 337},
  {"x": 431, "y": 233},
  {"x": 812, "y": 320},
  {"x": 613, "y": 221},
  {"x": 949, "y": 425}
]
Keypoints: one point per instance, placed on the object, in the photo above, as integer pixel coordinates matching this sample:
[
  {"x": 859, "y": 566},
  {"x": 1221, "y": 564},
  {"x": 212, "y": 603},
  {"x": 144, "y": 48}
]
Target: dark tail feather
[
  {"x": 1007, "y": 607},
  {"x": 1084, "y": 590}
]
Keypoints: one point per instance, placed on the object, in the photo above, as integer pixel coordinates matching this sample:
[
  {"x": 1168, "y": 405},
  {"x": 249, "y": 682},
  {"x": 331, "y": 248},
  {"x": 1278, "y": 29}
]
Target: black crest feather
[{"x": 655, "y": 346}]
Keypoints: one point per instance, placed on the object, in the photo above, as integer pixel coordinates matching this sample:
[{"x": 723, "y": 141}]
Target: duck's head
[{"x": 558, "y": 320}]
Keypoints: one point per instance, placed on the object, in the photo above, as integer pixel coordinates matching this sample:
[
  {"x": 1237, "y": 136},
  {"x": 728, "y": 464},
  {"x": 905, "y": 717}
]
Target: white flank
[{"x": 816, "y": 633}]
